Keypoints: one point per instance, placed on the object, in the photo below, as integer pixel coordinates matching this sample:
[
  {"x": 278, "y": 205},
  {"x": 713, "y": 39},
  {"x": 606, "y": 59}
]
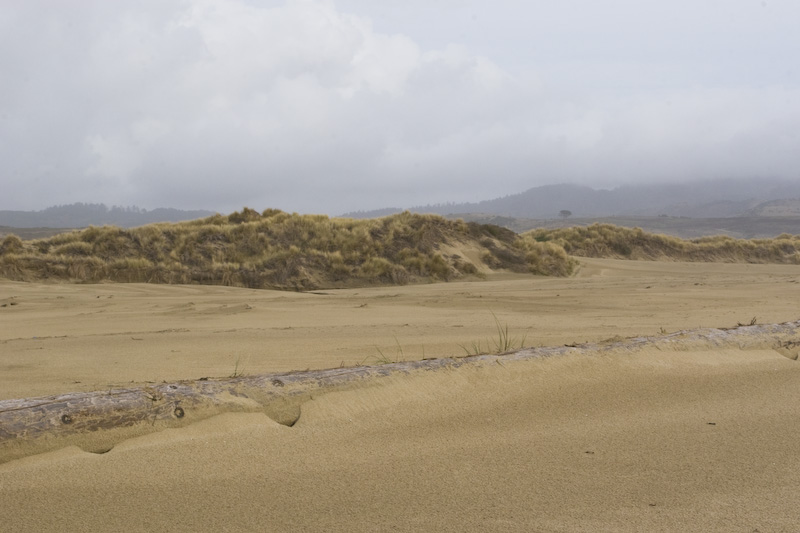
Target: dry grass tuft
[
  {"x": 606, "y": 240},
  {"x": 274, "y": 249}
]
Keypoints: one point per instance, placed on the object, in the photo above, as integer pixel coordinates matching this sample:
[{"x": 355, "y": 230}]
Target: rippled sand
[{"x": 686, "y": 440}]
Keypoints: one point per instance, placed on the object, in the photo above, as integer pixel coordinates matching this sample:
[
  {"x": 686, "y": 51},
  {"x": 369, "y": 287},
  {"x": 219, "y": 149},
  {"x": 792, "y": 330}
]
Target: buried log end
[
  {"x": 789, "y": 349},
  {"x": 285, "y": 411}
]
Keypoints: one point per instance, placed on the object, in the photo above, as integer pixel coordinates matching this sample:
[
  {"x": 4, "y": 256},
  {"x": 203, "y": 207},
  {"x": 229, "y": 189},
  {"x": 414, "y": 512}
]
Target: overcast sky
[{"x": 332, "y": 106}]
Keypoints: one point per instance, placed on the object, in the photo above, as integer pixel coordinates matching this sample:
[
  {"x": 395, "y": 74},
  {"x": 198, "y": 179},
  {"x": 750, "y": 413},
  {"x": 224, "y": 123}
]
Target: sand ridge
[
  {"x": 96, "y": 421},
  {"x": 659, "y": 440},
  {"x": 611, "y": 443},
  {"x": 66, "y": 338}
]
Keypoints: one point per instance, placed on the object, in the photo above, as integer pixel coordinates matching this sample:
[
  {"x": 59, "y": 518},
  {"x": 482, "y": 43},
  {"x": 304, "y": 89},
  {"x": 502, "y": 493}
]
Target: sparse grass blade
[{"x": 238, "y": 368}]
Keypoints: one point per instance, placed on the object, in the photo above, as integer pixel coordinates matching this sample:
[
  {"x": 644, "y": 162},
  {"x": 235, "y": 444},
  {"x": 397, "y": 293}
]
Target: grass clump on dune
[
  {"x": 606, "y": 240},
  {"x": 274, "y": 249}
]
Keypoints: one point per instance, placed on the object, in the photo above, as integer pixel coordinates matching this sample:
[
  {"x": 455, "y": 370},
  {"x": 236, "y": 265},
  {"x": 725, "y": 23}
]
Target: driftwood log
[{"x": 95, "y": 421}]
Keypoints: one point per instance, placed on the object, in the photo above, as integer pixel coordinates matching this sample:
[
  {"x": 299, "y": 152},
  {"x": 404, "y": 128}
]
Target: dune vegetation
[
  {"x": 606, "y": 240},
  {"x": 275, "y": 249}
]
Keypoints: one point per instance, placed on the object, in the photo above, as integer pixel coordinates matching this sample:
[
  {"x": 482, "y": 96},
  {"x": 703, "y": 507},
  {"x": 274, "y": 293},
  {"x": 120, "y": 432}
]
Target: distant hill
[
  {"x": 374, "y": 213},
  {"x": 32, "y": 233},
  {"x": 81, "y": 215},
  {"x": 704, "y": 199},
  {"x": 789, "y": 207}
]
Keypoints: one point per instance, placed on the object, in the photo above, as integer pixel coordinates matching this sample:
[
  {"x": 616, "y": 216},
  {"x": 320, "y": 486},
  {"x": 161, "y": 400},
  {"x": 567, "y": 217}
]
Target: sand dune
[
  {"x": 63, "y": 338},
  {"x": 690, "y": 439}
]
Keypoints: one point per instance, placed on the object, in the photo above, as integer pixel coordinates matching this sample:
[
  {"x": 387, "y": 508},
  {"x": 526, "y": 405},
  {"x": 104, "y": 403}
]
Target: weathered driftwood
[{"x": 95, "y": 420}]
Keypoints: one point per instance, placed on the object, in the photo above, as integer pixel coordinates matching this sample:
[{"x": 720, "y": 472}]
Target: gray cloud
[{"x": 328, "y": 107}]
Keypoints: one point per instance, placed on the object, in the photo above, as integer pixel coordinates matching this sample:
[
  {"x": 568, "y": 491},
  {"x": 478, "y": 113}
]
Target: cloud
[{"x": 304, "y": 106}]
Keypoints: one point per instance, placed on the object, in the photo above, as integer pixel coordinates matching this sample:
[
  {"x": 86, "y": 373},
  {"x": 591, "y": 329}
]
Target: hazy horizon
[{"x": 339, "y": 106}]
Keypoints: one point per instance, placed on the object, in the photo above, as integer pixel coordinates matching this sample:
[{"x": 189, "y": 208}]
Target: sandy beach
[{"x": 690, "y": 439}]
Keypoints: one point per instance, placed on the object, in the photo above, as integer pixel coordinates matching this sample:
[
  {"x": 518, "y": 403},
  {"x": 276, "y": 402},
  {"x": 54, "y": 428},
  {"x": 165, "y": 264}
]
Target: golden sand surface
[{"x": 684, "y": 440}]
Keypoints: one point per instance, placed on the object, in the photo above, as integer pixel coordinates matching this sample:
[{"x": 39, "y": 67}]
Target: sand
[{"x": 685, "y": 440}]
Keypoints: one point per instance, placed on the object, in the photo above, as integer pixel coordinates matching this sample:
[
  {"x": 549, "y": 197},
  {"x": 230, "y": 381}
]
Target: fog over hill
[
  {"x": 703, "y": 199},
  {"x": 80, "y": 215}
]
